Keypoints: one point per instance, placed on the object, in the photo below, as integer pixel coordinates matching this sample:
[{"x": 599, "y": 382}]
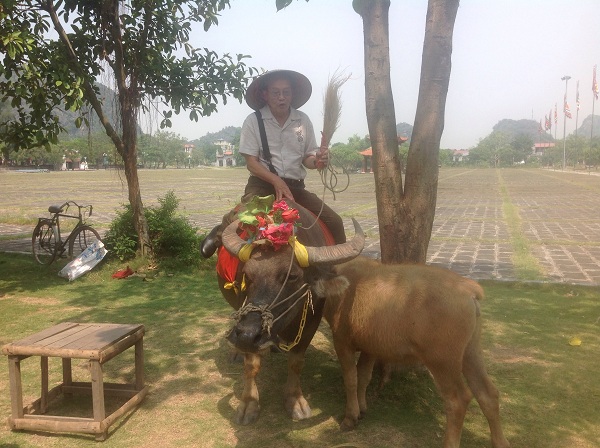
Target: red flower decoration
[
  {"x": 280, "y": 205},
  {"x": 279, "y": 234},
  {"x": 262, "y": 222},
  {"x": 267, "y": 220},
  {"x": 290, "y": 215}
]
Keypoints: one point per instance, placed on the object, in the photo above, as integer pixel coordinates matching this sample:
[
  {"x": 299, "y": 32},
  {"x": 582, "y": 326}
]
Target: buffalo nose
[
  {"x": 246, "y": 335},
  {"x": 247, "y": 338}
]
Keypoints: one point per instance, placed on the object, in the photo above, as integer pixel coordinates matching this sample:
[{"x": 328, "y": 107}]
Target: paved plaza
[{"x": 487, "y": 221}]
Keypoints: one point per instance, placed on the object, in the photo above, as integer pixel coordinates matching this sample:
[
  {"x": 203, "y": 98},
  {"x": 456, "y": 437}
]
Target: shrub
[{"x": 172, "y": 236}]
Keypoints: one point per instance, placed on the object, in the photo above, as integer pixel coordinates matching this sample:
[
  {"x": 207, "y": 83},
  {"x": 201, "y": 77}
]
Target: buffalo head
[{"x": 282, "y": 305}]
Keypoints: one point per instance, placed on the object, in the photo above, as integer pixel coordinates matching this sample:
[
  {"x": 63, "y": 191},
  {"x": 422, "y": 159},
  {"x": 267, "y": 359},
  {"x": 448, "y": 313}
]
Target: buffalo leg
[
  {"x": 456, "y": 396},
  {"x": 364, "y": 369},
  {"x": 248, "y": 409},
  {"x": 485, "y": 392},
  {"x": 295, "y": 403}
]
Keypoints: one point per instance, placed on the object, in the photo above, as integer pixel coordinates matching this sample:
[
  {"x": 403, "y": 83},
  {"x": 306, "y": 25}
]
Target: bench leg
[
  {"x": 139, "y": 364},
  {"x": 44, "y": 392},
  {"x": 16, "y": 387},
  {"x": 98, "y": 396},
  {"x": 67, "y": 373}
]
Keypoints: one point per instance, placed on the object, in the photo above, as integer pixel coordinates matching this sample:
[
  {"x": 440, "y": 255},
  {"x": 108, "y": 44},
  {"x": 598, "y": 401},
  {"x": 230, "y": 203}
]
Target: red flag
[
  {"x": 555, "y": 113},
  {"x": 546, "y": 123},
  {"x": 550, "y": 120},
  {"x": 577, "y": 96},
  {"x": 540, "y": 127},
  {"x": 595, "y": 84},
  {"x": 566, "y": 109}
]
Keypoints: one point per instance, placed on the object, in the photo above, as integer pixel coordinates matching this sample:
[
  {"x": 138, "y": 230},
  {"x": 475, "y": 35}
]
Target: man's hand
[
  {"x": 322, "y": 157},
  {"x": 282, "y": 190}
]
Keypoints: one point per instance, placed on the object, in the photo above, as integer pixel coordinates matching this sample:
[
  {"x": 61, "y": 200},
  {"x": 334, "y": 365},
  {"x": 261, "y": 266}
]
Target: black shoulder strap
[{"x": 263, "y": 139}]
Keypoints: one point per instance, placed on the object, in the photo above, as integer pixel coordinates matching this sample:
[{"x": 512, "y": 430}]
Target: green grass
[
  {"x": 526, "y": 265},
  {"x": 549, "y": 391}
]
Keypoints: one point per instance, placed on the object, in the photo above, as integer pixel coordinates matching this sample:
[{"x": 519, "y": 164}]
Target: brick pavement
[{"x": 557, "y": 215}]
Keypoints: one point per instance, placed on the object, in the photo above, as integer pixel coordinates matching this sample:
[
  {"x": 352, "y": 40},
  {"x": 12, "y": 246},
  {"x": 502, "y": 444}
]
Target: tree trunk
[
  {"x": 422, "y": 164},
  {"x": 129, "y": 155},
  {"x": 406, "y": 216},
  {"x": 381, "y": 120}
]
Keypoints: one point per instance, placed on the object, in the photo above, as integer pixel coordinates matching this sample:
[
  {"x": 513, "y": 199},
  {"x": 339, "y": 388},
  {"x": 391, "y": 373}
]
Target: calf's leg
[
  {"x": 456, "y": 396},
  {"x": 349, "y": 372},
  {"x": 249, "y": 408},
  {"x": 295, "y": 403},
  {"x": 485, "y": 392},
  {"x": 364, "y": 370}
]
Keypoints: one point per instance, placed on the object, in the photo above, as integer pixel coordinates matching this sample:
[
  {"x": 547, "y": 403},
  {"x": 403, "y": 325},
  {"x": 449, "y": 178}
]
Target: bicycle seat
[{"x": 55, "y": 208}]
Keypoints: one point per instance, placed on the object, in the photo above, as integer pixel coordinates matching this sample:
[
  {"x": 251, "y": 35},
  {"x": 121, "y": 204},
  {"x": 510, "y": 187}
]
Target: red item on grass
[{"x": 122, "y": 273}]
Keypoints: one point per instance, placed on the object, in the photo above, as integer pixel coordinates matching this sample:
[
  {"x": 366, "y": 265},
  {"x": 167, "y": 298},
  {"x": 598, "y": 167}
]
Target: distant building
[
  {"x": 460, "y": 155},
  {"x": 225, "y": 155},
  {"x": 368, "y": 156},
  {"x": 188, "y": 148},
  {"x": 539, "y": 149}
]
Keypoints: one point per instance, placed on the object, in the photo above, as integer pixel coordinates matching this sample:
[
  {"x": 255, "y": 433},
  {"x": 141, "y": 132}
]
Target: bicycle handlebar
[{"x": 67, "y": 204}]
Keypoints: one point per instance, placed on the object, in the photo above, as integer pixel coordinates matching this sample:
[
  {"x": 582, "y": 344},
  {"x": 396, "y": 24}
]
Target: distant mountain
[
  {"x": 530, "y": 128},
  {"x": 67, "y": 118},
  {"x": 404, "y": 130},
  {"x": 585, "y": 130},
  {"x": 109, "y": 106}
]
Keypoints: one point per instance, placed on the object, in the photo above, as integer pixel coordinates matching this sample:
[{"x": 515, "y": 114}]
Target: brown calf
[{"x": 402, "y": 313}]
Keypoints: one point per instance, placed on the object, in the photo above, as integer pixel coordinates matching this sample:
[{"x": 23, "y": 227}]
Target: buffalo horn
[
  {"x": 316, "y": 255},
  {"x": 231, "y": 240},
  {"x": 339, "y": 253}
]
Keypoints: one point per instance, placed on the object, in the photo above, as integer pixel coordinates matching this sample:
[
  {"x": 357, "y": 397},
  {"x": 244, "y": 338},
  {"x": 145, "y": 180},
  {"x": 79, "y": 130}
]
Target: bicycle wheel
[
  {"x": 83, "y": 237},
  {"x": 43, "y": 242}
]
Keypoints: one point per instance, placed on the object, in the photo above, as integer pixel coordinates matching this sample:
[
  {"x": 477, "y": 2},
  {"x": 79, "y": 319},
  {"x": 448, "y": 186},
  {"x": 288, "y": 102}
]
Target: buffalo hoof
[
  {"x": 298, "y": 408},
  {"x": 247, "y": 412},
  {"x": 348, "y": 424}
]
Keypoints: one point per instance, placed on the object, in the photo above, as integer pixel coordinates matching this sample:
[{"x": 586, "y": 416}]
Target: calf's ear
[{"x": 331, "y": 287}]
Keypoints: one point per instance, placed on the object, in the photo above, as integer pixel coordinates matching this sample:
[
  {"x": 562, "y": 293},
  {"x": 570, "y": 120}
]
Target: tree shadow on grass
[{"x": 547, "y": 386}]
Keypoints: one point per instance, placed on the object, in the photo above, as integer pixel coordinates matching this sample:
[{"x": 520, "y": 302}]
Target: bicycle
[{"x": 47, "y": 242}]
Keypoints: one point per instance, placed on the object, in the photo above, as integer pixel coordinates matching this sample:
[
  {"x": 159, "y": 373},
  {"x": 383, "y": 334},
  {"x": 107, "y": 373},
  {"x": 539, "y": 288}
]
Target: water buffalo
[
  {"x": 276, "y": 304},
  {"x": 406, "y": 313}
]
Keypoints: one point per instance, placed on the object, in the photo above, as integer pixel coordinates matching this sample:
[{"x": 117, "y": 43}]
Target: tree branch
[{"x": 89, "y": 93}]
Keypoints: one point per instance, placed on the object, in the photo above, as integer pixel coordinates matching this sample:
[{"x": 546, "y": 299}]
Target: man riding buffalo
[{"x": 275, "y": 252}]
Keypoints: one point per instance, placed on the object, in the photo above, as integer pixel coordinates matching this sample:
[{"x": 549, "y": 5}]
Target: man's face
[{"x": 278, "y": 96}]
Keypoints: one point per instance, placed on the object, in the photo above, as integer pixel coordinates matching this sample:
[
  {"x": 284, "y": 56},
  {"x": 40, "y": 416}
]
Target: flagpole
[
  {"x": 594, "y": 96},
  {"x": 555, "y": 121},
  {"x": 566, "y": 80},
  {"x": 592, "y": 132},
  {"x": 577, "y": 113}
]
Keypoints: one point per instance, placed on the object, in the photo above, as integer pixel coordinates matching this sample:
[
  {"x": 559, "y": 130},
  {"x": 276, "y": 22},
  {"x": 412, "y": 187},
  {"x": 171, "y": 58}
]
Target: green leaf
[
  {"x": 281, "y": 4},
  {"x": 247, "y": 218},
  {"x": 260, "y": 204}
]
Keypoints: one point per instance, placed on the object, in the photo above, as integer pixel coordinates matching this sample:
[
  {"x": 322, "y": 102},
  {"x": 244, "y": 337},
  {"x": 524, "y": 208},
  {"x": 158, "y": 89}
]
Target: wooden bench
[{"x": 97, "y": 343}]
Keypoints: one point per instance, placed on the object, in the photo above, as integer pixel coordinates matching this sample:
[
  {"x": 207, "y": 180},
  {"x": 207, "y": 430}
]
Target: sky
[{"x": 508, "y": 60}]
